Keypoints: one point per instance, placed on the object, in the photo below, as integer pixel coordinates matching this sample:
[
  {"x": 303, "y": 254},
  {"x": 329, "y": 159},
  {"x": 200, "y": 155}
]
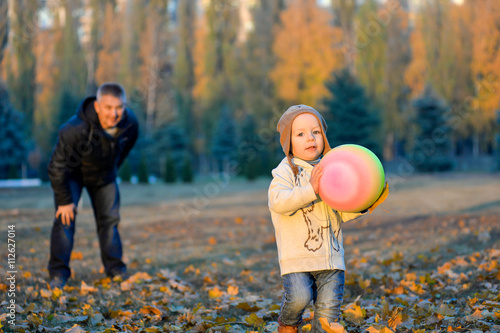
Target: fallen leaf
[
  {"x": 215, "y": 293},
  {"x": 331, "y": 327},
  {"x": 56, "y": 293},
  {"x": 75, "y": 329},
  {"x": 253, "y": 319},
  {"x": 85, "y": 289},
  {"x": 245, "y": 306},
  {"x": 76, "y": 256},
  {"x": 354, "y": 313},
  {"x": 232, "y": 290},
  {"x": 45, "y": 293},
  {"x": 446, "y": 311},
  {"x": 150, "y": 311},
  {"x": 379, "y": 329}
]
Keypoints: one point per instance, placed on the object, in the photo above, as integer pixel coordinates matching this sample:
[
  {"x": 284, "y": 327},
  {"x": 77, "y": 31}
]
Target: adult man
[{"x": 90, "y": 148}]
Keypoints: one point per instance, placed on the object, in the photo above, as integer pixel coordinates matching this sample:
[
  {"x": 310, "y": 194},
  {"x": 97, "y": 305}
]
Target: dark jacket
[{"x": 84, "y": 152}]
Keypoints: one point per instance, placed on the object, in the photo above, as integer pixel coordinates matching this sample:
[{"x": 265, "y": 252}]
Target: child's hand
[{"x": 316, "y": 174}]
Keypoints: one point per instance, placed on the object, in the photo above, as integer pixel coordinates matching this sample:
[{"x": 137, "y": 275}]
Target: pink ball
[{"x": 353, "y": 178}]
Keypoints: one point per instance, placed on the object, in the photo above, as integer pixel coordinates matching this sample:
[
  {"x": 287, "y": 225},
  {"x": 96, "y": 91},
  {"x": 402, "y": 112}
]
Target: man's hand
[
  {"x": 316, "y": 174},
  {"x": 381, "y": 198},
  {"x": 67, "y": 213}
]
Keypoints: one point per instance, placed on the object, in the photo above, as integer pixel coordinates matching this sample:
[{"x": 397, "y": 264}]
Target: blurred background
[{"x": 416, "y": 81}]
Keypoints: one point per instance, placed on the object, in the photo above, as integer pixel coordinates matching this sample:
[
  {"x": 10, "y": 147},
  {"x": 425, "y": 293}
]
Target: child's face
[{"x": 307, "y": 139}]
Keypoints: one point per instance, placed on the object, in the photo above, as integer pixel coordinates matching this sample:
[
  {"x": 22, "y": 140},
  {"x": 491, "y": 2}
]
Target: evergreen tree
[
  {"x": 350, "y": 114},
  {"x": 431, "y": 151},
  {"x": 170, "y": 175},
  {"x": 497, "y": 147},
  {"x": 125, "y": 172},
  {"x": 142, "y": 171},
  {"x": 12, "y": 138},
  {"x": 170, "y": 138},
  {"x": 224, "y": 142},
  {"x": 187, "y": 174},
  {"x": 250, "y": 149}
]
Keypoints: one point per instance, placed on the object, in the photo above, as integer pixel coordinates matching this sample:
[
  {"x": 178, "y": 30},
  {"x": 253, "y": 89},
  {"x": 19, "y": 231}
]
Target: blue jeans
[
  {"x": 324, "y": 288},
  {"x": 106, "y": 204}
]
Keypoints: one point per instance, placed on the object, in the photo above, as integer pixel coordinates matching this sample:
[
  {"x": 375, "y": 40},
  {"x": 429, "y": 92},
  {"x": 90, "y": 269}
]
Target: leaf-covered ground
[{"x": 202, "y": 258}]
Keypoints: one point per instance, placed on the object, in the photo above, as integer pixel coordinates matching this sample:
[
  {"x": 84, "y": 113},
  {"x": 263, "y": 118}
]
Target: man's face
[{"x": 110, "y": 110}]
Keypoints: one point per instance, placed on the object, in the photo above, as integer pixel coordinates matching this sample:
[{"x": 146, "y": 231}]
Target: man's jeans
[
  {"x": 324, "y": 288},
  {"x": 106, "y": 204}
]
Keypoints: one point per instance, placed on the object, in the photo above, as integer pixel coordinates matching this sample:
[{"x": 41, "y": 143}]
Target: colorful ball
[{"x": 353, "y": 178}]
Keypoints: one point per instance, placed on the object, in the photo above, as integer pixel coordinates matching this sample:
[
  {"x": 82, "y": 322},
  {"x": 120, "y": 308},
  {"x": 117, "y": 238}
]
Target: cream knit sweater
[{"x": 308, "y": 232}]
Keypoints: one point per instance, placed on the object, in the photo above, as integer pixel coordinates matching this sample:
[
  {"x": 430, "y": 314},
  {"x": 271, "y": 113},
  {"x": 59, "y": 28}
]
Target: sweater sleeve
[{"x": 286, "y": 198}]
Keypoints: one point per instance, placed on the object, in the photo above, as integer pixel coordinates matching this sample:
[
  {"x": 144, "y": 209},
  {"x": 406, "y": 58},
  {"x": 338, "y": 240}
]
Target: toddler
[{"x": 308, "y": 232}]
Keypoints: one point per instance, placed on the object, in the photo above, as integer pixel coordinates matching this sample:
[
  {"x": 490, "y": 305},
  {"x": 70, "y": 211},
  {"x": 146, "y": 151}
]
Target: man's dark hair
[{"x": 113, "y": 89}]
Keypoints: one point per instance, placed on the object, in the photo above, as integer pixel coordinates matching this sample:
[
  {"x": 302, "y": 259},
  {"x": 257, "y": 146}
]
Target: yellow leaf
[
  {"x": 75, "y": 329},
  {"x": 150, "y": 311},
  {"x": 382, "y": 329},
  {"x": 354, "y": 313},
  {"x": 215, "y": 293},
  {"x": 125, "y": 285},
  {"x": 34, "y": 320},
  {"x": 85, "y": 289},
  {"x": 189, "y": 269},
  {"x": 396, "y": 319},
  {"x": 45, "y": 293},
  {"x": 76, "y": 256},
  {"x": 207, "y": 279},
  {"x": 166, "y": 290},
  {"x": 411, "y": 277},
  {"x": 444, "y": 268},
  {"x": 152, "y": 329},
  {"x": 253, "y": 319},
  {"x": 56, "y": 293},
  {"x": 476, "y": 315},
  {"x": 27, "y": 275},
  {"x": 139, "y": 277},
  {"x": 331, "y": 327},
  {"x": 232, "y": 290},
  {"x": 212, "y": 241}
]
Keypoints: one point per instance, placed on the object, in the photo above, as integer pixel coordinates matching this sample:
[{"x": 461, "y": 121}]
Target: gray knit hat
[{"x": 285, "y": 130}]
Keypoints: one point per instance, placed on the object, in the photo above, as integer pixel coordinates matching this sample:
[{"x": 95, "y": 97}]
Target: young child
[{"x": 308, "y": 232}]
